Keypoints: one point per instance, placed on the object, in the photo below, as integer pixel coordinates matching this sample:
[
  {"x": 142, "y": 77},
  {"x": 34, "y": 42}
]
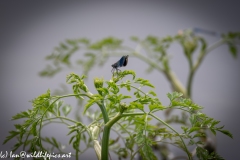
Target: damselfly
[{"x": 122, "y": 62}]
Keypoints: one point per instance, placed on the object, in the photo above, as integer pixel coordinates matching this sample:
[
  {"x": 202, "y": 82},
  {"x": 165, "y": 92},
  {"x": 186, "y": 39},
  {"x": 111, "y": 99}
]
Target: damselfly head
[{"x": 125, "y": 61}]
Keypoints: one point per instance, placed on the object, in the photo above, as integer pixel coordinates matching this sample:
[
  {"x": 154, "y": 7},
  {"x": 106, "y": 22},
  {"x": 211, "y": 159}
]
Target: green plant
[
  {"x": 131, "y": 116},
  {"x": 132, "y": 119}
]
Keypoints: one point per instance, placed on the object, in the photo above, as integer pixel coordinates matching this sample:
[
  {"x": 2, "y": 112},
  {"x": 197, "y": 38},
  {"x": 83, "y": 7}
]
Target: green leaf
[
  {"x": 122, "y": 153},
  {"x": 88, "y": 105},
  {"x": 66, "y": 109},
  {"x": 143, "y": 82},
  {"x": 147, "y": 153},
  {"x": 199, "y": 134},
  {"x": 233, "y": 50},
  {"x": 16, "y": 146},
  {"x": 136, "y": 105},
  {"x": 204, "y": 44},
  {"x": 71, "y": 139},
  {"x": 174, "y": 95},
  {"x": 213, "y": 131},
  {"x": 84, "y": 41},
  {"x": 55, "y": 142},
  {"x": 140, "y": 138},
  {"x": 152, "y": 40},
  {"x": 194, "y": 129},
  {"x": 50, "y": 71},
  {"x": 203, "y": 154},
  {"x": 107, "y": 42},
  {"x": 42, "y": 103},
  {"x": 129, "y": 143},
  {"x": 128, "y": 72},
  {"x": 152, "y": 93},
  {"x": 135, "y": 39},
  {"x": 156, "y": 106},
  {"x": 102, "y": 91},
  {"x": 121, "y": 97},
  {"x": 34, "y": 128},
  {"x": 113, "y": 87},
  {"x": 24, "y": 114},
  {"x": 226, "y": 132},
  {"x": 193, "y": 119},
  {"x": 12, "y": 135}
]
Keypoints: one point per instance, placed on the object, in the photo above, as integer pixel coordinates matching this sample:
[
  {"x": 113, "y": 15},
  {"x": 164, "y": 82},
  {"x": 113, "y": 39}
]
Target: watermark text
[{"x": 36, "y": 154}]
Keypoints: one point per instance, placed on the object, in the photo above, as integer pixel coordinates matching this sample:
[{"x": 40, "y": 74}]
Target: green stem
[
  {"x": 203, "y": 53},
  {"x": 175, "y": 83},
  {"x": 189, "y": 83},
  {"x": 200, "y": 58},
  {"x": 106, "y": 134},
  {"x": 184, "y": 145},
  {"x": 104, "y": 112}
]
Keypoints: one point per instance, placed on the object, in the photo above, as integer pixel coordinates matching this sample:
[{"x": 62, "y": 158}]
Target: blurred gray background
[{"x": 29, "y": 30}]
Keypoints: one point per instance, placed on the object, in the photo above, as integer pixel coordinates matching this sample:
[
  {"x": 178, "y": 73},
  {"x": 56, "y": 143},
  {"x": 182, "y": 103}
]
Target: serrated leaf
[
  {"x": 203, "y": 154},
  {"x": 174, "y": 95},
  {"x": 147, "y": 153},
  {"x": 88, "y": 105},
  {"x": 16, "y": 146},
  {"x": 55, "y": 142},
  {"x": 12, "y": 135},
  {"x": 193, "y": 119},
  {"x": 156, "y": 106},
  {"x": 200, "y": 134},
  {"x": 226, "y": 132},
  {"x": 20, "y": 115},
  {"x": 137, "y": 105},
  {"x": 193, "y": 129},
  {"x": 113, "y": 87}
]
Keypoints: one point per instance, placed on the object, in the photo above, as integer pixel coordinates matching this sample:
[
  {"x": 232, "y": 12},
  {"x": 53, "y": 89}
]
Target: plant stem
[
  {"x": 189, "y": 83},
  {"x": 200, "y": 58},
  {"x": 175, "y": 83},
  {"x": 104, "y": 112},
  {"x": 106, "y": 134}
]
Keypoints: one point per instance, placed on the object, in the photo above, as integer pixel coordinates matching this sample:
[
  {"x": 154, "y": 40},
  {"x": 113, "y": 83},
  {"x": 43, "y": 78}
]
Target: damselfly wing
[{"x": 122, "y": 62}]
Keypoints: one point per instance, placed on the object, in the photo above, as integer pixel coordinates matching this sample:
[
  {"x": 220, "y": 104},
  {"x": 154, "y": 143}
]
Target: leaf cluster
[{"x": 134, "y": 122}]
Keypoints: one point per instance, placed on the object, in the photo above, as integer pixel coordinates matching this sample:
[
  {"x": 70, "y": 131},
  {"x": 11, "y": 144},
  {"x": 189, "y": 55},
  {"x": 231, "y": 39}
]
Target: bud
[
  {"x": 190, "y": 46},
  {"x": 123, "y": 107},
  {"x": 98, "y": 83}
]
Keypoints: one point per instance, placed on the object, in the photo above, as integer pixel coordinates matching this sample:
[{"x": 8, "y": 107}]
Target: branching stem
[{"x": 184, "y": 145}]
